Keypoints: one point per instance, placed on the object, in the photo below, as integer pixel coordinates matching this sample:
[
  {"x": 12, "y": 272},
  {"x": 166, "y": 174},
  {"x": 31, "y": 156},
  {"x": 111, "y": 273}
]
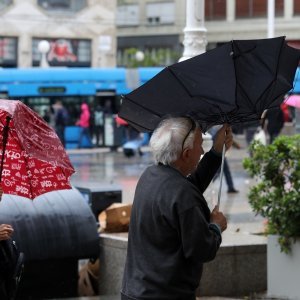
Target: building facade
[
  {"x": 81, "y": 33},
  {"x": 156, "y": 26}
]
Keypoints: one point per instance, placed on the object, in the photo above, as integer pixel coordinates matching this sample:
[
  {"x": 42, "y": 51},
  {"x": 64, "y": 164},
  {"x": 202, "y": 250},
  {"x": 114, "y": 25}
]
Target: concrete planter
[
  {"x": 243, "y": 261},
  {"x": 283, "y": 270}
]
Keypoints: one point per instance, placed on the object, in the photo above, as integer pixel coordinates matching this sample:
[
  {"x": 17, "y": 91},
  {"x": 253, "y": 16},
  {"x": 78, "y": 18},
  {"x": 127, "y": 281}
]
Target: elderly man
[{"x": 172, "y": 231}]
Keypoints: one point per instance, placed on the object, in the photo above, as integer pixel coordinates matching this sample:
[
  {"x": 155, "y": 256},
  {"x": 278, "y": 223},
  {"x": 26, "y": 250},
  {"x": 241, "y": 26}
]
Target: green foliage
[
  {"x": 150, "y": 60},
  {"x": 275, "y": 196}
]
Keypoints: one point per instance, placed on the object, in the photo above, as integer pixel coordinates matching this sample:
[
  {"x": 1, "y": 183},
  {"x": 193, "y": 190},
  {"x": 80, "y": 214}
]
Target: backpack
[
  {"x": 98, "y": 118},
  {"x": 11, "y": 268}
]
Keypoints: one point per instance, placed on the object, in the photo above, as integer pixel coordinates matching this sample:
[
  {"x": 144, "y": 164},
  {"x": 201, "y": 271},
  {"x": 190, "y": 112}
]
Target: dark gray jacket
[{"x": 169, "y": 236}]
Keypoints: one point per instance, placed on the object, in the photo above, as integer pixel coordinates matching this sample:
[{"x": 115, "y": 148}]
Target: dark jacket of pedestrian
[{"x": 275, "y": 122}]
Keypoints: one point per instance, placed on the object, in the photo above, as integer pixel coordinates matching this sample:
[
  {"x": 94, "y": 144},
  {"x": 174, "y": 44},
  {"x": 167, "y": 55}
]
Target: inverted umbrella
[
  {"x": 233, "y": 83},
  {"x": 33, "y": 160}
]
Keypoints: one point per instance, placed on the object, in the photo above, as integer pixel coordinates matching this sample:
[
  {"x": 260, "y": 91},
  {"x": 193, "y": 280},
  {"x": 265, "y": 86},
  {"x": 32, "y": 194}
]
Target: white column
[
  {"x": 271, "y": 18},
  {"x": 288, "y": 9},
  {"x": 194, "y": 41},
  {"x": 24, "y": 51},
  {"x": 230, "y": 10}
]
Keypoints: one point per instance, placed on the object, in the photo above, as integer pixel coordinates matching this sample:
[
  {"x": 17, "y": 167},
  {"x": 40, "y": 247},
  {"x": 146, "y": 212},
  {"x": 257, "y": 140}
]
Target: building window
[
  {"x": 256, "y": 8},
  {"x": 296, "y": 7},
  {"x": 279, "y": 8},
  {"x": 62, "y": 5},
  {"x": 127, "y": 15},
  {"x": 251, "y": 8},
  {"x": 160, "y": 13},
  {"x": 64, "y": 52},
  {"x": 215, "y": 10},
  {"x": 8, "y": 51}
]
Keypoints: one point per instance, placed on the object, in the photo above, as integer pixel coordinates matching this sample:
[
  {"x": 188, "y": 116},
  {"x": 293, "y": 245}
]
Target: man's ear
[{"x": 185, "y": 154}]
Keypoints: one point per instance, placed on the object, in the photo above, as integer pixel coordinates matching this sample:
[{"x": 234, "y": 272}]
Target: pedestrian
[
  {"x": 84, "y": 123},
  {"x": 47, "y": 115},
  {"x": 11, "y": 262},
  {"x": 287, "y": 117},
  {"x": 227, "y": 173},
  {"x": 6, "y": 232},
  {"x": 275, "y": 122},
  {"x": 172, "y": 231},
  {"x": 61, "y": 120},
  {"x": 99, "y": 125},
  {"x": 250, "y": 130}
]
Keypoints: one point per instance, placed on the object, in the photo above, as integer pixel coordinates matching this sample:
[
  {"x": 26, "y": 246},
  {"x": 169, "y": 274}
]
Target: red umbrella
[{"x": 35, "y": 161}]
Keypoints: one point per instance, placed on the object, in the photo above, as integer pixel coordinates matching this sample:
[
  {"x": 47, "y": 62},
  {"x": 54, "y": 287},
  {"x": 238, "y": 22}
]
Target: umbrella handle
[
  {"x": 4, "y": 141},
  {"x": 221, "y": 175}
]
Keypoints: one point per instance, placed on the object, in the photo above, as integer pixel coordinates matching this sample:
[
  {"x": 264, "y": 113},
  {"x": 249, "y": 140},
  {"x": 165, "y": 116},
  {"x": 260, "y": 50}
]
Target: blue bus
[{"x": 40, "y": 88}]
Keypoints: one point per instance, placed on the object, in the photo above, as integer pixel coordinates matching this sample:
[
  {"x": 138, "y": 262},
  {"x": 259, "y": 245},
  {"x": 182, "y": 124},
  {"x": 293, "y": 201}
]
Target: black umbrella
[{"x": 233, "y": 83}]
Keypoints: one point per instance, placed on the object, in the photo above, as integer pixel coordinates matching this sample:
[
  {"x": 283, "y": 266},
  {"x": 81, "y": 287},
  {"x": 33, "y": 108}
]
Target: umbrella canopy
[
  {"x": 293, "y": 100},
  {"x": 33, "y": 160},
  {"x": 233, "y": 83}
]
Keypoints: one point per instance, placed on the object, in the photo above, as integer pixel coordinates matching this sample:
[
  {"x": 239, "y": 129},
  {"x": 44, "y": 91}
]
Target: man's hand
[
  {"x": 6, "y": 232},
  {"x": 224, "y": 135},
  {"x": 218, "y": 218}
]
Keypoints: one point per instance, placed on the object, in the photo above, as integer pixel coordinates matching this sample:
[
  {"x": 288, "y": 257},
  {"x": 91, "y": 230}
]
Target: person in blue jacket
[{"x": 172, "y": 230}]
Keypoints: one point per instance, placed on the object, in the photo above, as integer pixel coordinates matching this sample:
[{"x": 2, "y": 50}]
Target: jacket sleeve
[
  {"x": 206, "y": 170},
  {"x": 200, "y": 241}
]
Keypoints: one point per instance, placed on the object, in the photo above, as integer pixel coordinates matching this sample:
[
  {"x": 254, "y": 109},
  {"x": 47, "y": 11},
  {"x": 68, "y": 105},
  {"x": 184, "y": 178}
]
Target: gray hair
[{"x": 166, "y": 140}]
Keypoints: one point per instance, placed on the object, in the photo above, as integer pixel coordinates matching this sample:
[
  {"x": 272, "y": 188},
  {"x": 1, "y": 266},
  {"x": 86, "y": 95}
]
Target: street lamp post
[
  {"x": 43, "y": 48},
  {"x": 194, "y": 41}
]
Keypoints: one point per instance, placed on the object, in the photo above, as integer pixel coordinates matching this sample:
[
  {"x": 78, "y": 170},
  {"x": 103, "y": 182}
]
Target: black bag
[{"x": 11, "y": 269}]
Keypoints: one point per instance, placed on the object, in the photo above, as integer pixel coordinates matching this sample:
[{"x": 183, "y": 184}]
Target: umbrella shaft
[{"x": 221, "y": 175}]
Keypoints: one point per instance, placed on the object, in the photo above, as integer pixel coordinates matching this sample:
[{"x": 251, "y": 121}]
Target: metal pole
[
  {"x": 221, "y": 175},
  {"x": 194, "y": 40}
]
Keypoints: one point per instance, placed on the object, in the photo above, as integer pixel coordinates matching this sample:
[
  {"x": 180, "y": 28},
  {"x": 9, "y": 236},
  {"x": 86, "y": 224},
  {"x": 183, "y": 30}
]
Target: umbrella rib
[
  {"x": 245, "y": 95},
  {"x": 145, "y": 108},
  {"x": 174, "y": 75}
]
